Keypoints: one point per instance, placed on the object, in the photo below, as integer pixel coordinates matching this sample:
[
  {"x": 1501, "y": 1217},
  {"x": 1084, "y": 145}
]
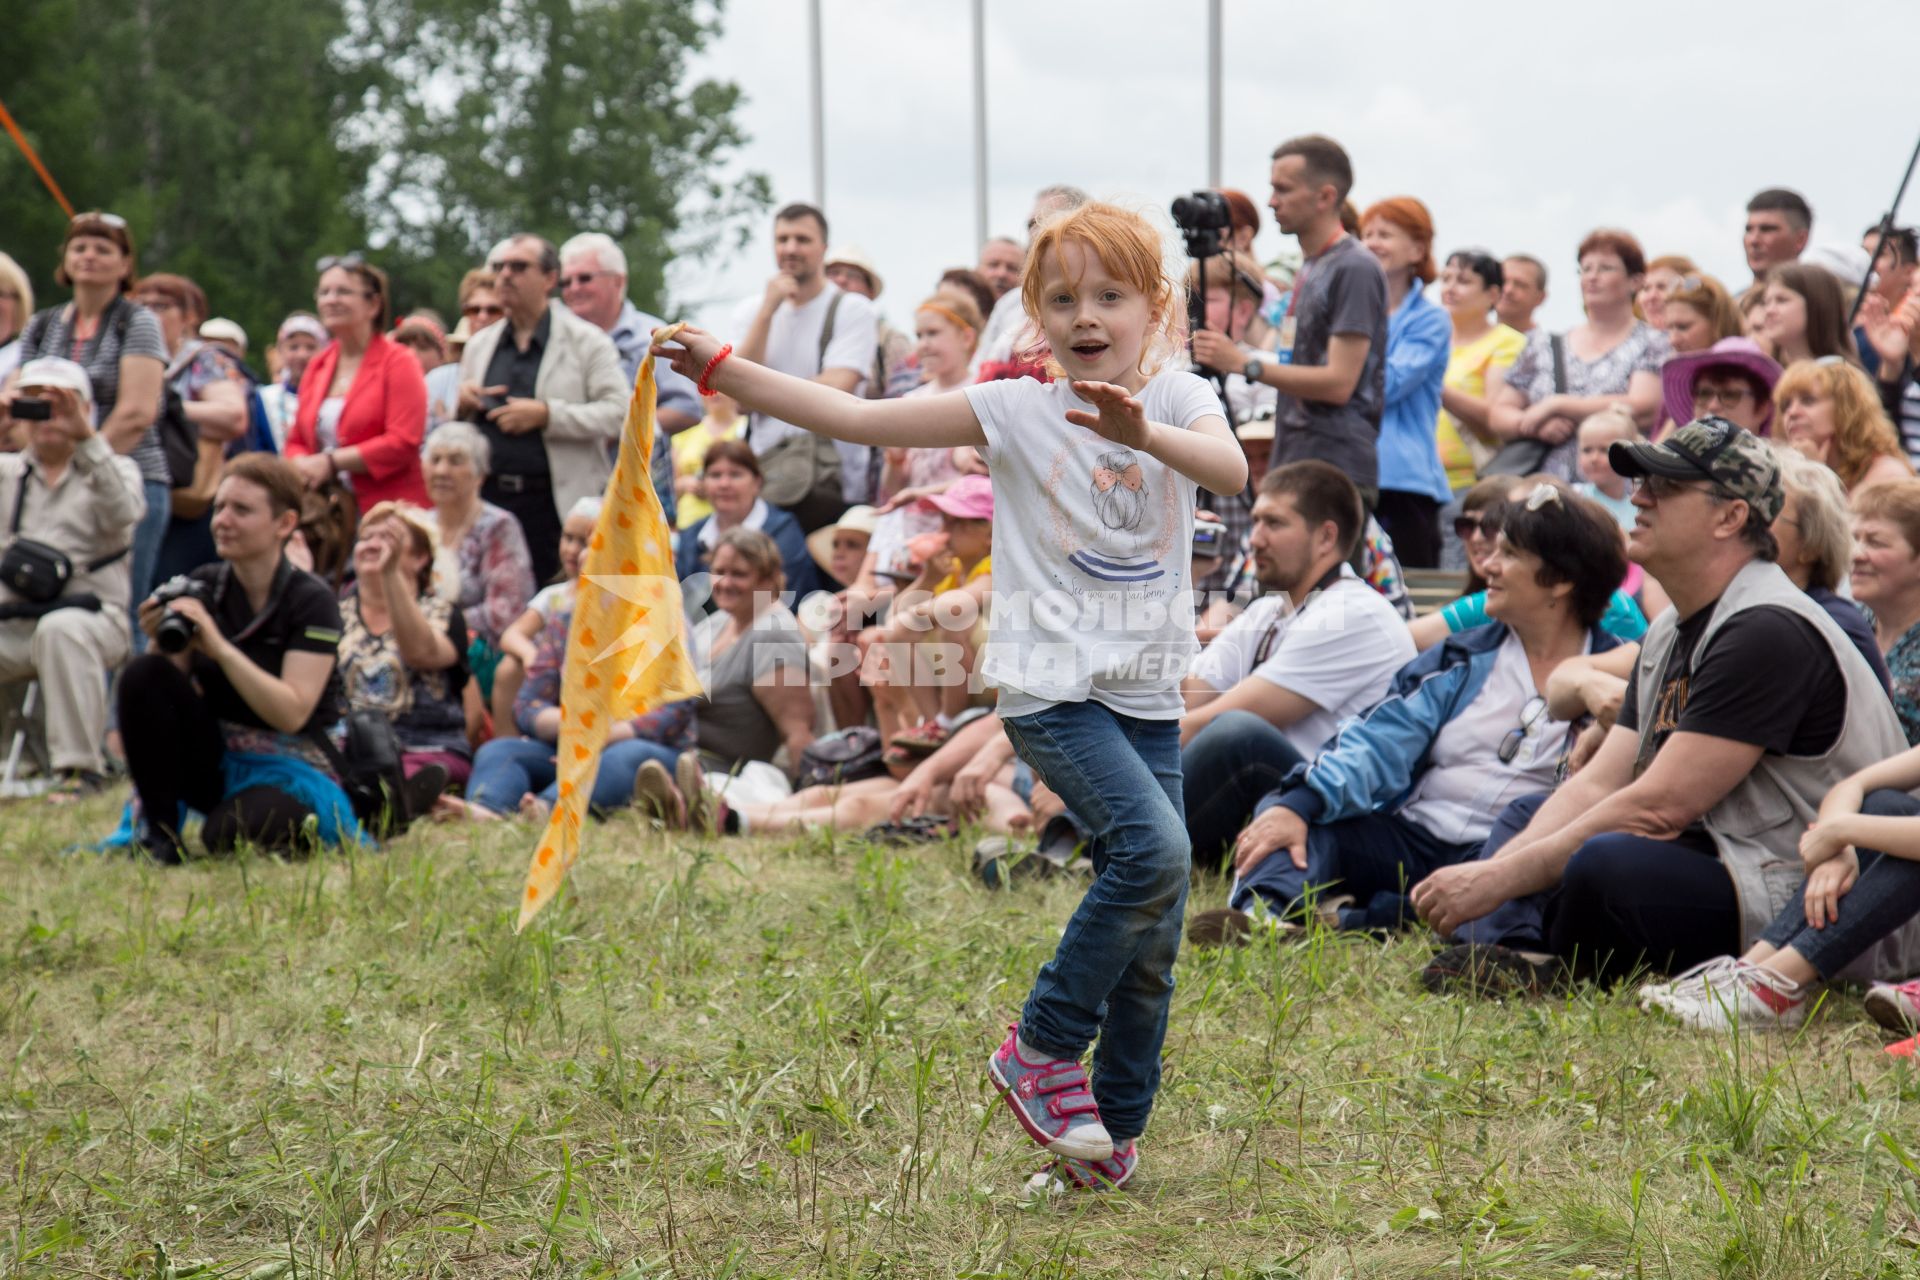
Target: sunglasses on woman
[{"x": 1487, "y": 524}]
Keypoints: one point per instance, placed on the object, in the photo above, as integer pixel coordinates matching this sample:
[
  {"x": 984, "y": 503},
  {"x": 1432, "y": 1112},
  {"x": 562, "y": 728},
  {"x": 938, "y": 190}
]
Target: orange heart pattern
[{"x": 651, "y": 666}]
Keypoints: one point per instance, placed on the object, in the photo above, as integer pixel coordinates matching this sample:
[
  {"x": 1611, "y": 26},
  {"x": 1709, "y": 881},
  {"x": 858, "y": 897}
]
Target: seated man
[
  {"x": 68, "y": 492},
  {"x": 1273, "y": 686},
  {"x": 1679, "y": 841},
  {"x": 1413, "y": 784}
]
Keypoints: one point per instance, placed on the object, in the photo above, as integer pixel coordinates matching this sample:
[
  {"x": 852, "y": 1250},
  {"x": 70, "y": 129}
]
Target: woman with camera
[{"x": 224, "y": 714}]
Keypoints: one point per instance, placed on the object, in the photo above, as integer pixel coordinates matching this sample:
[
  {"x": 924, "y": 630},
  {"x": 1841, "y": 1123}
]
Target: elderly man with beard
[{"x": 1320, "y": 646}]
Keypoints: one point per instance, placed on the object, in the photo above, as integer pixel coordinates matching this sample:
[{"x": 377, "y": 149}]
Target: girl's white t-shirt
[{"x": 1092, "y": 552}]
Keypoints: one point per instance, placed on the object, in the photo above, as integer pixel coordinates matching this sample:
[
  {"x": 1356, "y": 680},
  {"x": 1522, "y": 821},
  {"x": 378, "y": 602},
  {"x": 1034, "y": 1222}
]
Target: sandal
[
  {"x": 924, "y": 829},
  {"x": 922, "y": 740},
  {"x": 655, "y": 795}
]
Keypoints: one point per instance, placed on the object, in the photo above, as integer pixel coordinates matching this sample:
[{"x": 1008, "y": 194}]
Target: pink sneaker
[
  {"x": 1049, "y": 1098},
  {"x": 1086, "y": 1175},
  {"x": 1895, "y": 1006}
]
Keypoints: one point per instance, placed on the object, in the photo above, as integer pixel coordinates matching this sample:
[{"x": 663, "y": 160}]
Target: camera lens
[{"x": 173, "y": 634}]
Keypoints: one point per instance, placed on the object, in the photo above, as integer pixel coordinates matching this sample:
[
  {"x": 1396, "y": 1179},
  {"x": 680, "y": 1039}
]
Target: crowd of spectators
[{"x": 1669, "y": 721}]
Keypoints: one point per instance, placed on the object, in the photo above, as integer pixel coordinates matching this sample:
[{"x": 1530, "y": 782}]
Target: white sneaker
[
  {"x": 1895, "y": 1006},
  {"x": 1726, "y": 992}
]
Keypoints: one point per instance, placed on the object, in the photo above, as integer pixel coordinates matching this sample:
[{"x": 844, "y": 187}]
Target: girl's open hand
[
  {"x": 1118, "y": 416},
  {"x": 686, "y": 348}
]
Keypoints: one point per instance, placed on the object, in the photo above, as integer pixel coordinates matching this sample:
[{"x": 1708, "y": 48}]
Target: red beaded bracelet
[{"x": 706, "y": 389}]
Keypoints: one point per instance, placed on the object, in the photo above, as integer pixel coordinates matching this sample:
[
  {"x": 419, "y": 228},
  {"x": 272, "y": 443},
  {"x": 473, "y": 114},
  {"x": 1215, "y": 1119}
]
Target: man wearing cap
[
  {"x": 807, "y": 326},
  {"x": 593, "y": 284},
  {"x": 1679, "y": 841},
  {"x": 1732, "y": 379},
  {"x": 73, "y": 496}
]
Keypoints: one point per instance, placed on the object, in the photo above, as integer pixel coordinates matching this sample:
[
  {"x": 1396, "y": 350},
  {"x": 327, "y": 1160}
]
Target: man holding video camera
[{"x": 68, "y": 505}]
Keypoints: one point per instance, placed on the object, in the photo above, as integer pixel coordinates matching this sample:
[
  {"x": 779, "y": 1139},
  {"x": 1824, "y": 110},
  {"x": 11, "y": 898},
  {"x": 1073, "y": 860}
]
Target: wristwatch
[{"x": 1254, "y": 367}]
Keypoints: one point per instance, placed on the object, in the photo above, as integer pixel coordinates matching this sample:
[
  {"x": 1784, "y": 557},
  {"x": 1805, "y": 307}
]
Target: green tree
[
  {"x": 243, "y": 140},
  {"x": 551, "y": 116}
]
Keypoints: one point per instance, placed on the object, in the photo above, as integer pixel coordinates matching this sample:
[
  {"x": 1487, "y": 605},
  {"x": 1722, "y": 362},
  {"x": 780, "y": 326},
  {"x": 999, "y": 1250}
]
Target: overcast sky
[{"x": 1522, "y": 126}]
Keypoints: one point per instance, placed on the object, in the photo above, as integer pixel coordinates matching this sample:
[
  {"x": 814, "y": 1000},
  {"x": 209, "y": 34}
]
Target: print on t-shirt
[{"x": 1120, "y": 500}]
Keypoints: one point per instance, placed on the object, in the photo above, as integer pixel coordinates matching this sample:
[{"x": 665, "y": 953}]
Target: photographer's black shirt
[
  {"x": 525, "y": 453},
  {"x": 301, "y": 615}
]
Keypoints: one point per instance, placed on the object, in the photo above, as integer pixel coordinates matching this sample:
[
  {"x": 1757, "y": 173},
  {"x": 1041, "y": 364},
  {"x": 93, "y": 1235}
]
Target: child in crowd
[
  {"x": 1599, "y": 480},
  {"x": 1094, "y": 479}
]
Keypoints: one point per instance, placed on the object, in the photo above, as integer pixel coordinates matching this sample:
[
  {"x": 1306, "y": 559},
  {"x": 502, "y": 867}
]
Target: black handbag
[
  {"x": 34, "y": 571},
  {"x": 371, "y": 772},
  {"x": 846, "y": 755},
  {"x": 1525, "y": 456}
]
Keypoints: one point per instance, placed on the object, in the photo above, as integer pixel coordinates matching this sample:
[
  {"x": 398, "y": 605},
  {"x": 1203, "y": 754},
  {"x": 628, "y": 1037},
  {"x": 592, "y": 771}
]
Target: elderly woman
[
  {"x": 119, "y": 343},
  {"x": 16, "y": 304},
  {"x": 1415, "y": 784},
  {"x": 1829, "y": 411},
  {"x": 1560, "y": 379},
  {"x": 363, "y": 402},
  {"x": 403, "y": 648},
  {"x": 208, "y": 381},
  {"x": 730, "y": 479},
  {"x": 1886, "y": 580},
  {"x": 496, "y": 570}
]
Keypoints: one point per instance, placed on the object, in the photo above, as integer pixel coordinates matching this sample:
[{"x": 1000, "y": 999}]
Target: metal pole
[
  {"x": 819, "y": 105},
  {"x": 979, "y": 122},
  {"x": 1885, "y": 229},
  {"x": 1213, "y": 94}
]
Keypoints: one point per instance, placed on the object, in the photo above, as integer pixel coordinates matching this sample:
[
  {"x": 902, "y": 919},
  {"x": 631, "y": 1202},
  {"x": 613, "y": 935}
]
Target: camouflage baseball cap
[{"x": 1737, "y": 462}]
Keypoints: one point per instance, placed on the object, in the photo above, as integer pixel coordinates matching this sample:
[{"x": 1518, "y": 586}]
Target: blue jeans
[
  {"x": 1376, "y": 858},
  {"x": 147, "y": 537},
  {"x": 1112, "y": 975},
  {"x": 1229, "y": 767},
  {"x": 1886, "y": 896},
  {"x": 509, "y": 768}
]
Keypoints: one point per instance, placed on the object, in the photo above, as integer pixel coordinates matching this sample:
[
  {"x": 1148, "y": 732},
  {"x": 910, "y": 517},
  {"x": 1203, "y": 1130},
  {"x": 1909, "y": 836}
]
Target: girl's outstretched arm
[{"x": 923, "y": 422}]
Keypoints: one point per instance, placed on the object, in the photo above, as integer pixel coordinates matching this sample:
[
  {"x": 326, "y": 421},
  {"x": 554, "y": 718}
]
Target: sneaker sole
[
  {"x": 1890, "y": 1012},
  {"x": 1059, "y": 1146}
]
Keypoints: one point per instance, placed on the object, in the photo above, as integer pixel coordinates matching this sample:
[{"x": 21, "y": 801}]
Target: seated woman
[
  {"x": 496, "y": 570},
  {"x": 1622, "y": 620},
  {"x": 403, "y": 651},
  {"x": 519, "y": 774},
  {"x": 1886, "y": 580},
  {"x": 931, "y": 639},
  {"x": 1855, "y": 917},
  {"x": 1830, "y": 412},
  {"x": 226, "y": 719},
  {"x": 730, "y": 479},
  {"x": 1414, "y": 783}
]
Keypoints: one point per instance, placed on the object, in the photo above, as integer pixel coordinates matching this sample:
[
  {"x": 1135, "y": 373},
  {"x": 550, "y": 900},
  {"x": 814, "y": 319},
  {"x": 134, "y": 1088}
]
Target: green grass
[{"x": 765, "y": 1058}]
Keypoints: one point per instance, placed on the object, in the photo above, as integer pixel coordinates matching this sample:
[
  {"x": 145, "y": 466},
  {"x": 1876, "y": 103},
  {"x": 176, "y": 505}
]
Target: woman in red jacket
[{"x": 363, "y": 401}]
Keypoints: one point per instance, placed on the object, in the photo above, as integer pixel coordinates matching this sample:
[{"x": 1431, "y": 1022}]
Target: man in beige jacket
[{"x": 545, "y": 387}]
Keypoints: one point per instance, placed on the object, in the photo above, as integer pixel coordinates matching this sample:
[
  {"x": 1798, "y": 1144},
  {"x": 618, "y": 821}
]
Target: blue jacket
[
  {"x": 1419, "y": 342},
  {"x": 795, "y": 559},
  {"x": 1374, "y": 759}
]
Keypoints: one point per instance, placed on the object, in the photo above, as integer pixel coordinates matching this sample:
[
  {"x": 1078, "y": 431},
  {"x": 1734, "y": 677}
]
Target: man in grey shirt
[{"x": 1335, "y": 325}]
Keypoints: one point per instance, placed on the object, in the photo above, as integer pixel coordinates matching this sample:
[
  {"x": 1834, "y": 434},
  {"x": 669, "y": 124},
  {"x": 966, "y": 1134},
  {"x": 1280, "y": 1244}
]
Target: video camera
[{"x": 1204, "y": 221}]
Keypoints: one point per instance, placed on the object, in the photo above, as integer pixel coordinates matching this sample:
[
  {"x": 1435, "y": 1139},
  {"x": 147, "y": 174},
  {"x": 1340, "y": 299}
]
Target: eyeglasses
[
  {"x": 1483, "y": 526},
  {"x": 509, "y": 266},
  {"x": 1530, "y": 717},
  {"x": 347, "y": 260},
  {"x": 1660, "y": 488},
  {"x": 475, "y": 309},
  {"x": 113, "y": 220},
  {"x": 157, "y": 303},
  {"x": 580, "y": 277},
  {"x": 1728, "y": 395}
]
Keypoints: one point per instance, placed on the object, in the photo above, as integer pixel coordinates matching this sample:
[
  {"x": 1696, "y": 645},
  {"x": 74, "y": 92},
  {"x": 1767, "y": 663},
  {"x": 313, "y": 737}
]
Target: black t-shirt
[
  {"x": 301, "y": 615},
  {"x": 524, "y": 454},
  {"x": 1768, "y": 679}
]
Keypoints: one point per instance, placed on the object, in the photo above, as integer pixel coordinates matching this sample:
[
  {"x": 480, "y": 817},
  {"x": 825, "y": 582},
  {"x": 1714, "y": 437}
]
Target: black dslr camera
[
  {"x": 175, "y": 631},
  {"x": 1204, "y": 222}
]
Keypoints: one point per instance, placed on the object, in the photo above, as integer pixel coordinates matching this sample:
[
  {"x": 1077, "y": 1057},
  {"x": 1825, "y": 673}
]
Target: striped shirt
[{"x": 50, "y": 333}]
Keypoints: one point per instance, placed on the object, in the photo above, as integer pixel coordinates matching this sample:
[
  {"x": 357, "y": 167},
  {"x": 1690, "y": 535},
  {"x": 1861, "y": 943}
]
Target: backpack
[{"x": 846, "y": 755}]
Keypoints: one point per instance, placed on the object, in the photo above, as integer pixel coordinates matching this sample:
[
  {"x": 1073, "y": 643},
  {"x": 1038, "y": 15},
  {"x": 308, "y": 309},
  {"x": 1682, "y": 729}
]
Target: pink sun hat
[{"x": 968, "y": 498}]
